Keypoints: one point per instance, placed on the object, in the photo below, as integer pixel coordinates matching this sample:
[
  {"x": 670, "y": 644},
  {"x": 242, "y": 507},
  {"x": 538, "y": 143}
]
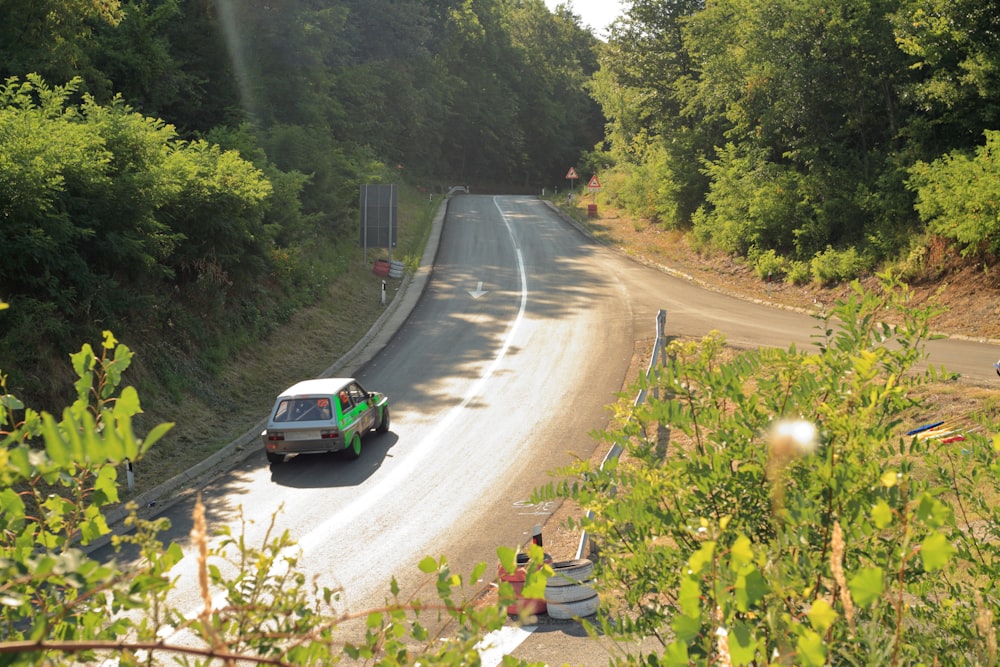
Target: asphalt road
[{"x": 520, "y": 338}]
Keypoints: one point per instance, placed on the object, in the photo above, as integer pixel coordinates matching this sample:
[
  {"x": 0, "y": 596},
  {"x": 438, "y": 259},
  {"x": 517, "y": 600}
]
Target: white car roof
[{"x": 324, "y": 386}]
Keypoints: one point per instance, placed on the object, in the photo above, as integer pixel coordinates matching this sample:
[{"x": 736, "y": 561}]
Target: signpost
[
  {"x": 593, "y": 187},
  {"x": 378, "y": 217},
  {"x": 571, "y": 177}
]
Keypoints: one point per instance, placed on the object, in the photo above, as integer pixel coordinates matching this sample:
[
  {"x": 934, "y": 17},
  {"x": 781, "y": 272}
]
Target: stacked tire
[
  {"x": 396, "y": 269},
  {"x": 569, "y": 593}
]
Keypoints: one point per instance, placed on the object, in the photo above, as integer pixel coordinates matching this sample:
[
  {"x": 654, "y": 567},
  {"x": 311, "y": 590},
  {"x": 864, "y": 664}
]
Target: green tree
[
  {"x": 485, "y": 141},
  {"x": 957, "y": 88},
  {"x": 646, "y": 73},
  {"x": 140, "y": 61},
  {"x": 49, "y": 37},
  {"x": 958, "y": 197},
  {"x": 559, "y": 117},
  {"x": 814, "y": 89},
  {"x": 101, "y": 207}
]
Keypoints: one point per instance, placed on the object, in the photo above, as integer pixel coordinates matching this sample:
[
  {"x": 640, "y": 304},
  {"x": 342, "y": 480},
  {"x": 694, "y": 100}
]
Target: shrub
[
  {"x": 792, "y": 519},
  {"x": 798, "y": 272},
  {"x": 834, "y": 266},
  {"x": 769, "y": 264},
  {"x": 958, "y": 196}
]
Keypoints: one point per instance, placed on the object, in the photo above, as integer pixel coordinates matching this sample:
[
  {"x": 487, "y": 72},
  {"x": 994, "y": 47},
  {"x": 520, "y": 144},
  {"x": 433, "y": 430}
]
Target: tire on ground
[
  {"x": 571, "y": 572},
  {"x": 575, "y": 609},
  {"x": 383, "y": 424},
  {"x": 564, "y": 594}
]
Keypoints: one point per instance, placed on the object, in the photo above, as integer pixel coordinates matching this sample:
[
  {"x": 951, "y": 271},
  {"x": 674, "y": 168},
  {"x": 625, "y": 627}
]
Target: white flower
[{"x": 794, "y": 437}]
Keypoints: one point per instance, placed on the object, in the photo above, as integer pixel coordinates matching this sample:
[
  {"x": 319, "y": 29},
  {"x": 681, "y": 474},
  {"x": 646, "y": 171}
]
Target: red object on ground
[
  {"x": 381, "y": 267},
  {"x": 516, "y": 579}
]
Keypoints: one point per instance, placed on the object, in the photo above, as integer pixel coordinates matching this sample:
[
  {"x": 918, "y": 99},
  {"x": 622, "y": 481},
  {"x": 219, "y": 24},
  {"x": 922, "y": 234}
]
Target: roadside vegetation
[
  {"x": 817, "y": 141},
  {"x": 796, "y": 512}
]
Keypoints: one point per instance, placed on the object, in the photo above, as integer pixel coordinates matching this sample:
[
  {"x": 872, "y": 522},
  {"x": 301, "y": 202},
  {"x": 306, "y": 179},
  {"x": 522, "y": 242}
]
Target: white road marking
[
  {"x": 430, "y": 443},
  {"x": 499, "y": 643},
  {"x": 478, "y": 292}
]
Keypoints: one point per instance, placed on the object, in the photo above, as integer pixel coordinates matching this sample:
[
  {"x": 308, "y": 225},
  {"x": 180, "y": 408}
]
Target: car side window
[{"x": 358, "y": 395}]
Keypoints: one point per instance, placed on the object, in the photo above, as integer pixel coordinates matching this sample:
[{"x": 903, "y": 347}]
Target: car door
[{"x": 363, "y": 410}]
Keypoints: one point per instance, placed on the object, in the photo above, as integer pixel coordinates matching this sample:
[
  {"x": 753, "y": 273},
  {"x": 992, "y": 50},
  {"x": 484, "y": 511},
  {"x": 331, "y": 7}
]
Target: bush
[
  {"x": 835, "y": 266},
  {"x": 769, "y": 264},
  {"x": 793, "y": 519},
  {"x": 958, "y": 196},
  {"x": 798, "y": 272},
  {"x": 751, "y": 203}
]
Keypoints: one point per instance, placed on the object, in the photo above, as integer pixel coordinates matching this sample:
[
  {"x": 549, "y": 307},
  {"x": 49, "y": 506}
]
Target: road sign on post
[
  {"x": 571, "y": 176},
  {"x": 594, "y": 185}
]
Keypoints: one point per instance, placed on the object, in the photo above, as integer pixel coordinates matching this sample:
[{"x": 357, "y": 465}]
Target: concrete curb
[{"x": 395, "y": 315}]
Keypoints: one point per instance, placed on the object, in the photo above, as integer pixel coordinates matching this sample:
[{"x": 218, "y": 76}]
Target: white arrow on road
[{"x": 478, "y": 292}]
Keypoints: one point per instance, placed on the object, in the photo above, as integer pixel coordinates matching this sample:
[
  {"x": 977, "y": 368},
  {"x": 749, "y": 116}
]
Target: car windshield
[{"x": 303, "y": 409}]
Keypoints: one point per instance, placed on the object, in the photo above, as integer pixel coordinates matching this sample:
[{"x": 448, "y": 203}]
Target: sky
[{"x": 598, "y": 14}]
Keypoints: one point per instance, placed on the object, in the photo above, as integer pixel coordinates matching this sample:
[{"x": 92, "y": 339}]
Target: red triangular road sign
[
  {"x": 571, "y": 174},
  {"x": 594, "y": 183}
]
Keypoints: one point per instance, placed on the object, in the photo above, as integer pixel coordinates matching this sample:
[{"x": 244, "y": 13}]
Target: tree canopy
[
  {"x": 167, "y": 167},
  {"x": 792, "y": 127}
]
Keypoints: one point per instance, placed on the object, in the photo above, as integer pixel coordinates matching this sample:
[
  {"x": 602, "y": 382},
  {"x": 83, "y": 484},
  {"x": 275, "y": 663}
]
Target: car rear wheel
[
  {"x": 275, "y": 458},
  {"x": 383, "y": 424},
  {"x": 353, "y": 450}
]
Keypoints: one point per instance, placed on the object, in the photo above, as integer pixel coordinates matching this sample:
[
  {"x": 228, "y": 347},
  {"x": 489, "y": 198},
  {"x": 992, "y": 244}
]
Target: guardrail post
[{"x": 658, "y": 349}]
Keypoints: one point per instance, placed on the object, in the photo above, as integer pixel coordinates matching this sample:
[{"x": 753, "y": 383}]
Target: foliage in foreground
[
  {"x": 57, "y": 604},
  {"x": 792, "y": 519}
]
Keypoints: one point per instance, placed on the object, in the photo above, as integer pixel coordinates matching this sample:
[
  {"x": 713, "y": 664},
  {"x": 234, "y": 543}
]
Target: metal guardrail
[{"x": 658, "y": 356}]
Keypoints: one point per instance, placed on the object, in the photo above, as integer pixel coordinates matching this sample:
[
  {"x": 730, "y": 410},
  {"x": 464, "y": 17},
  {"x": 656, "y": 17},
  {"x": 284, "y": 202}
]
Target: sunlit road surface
[{"x": 507, "y": 363}]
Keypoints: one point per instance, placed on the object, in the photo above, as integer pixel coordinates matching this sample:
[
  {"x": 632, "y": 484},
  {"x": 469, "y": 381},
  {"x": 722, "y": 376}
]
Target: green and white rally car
[{"x": 323, "y": 415}]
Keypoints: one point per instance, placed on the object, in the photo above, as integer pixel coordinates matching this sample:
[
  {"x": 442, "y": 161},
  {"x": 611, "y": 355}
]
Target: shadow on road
[{"x": 316, "y": 471}]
